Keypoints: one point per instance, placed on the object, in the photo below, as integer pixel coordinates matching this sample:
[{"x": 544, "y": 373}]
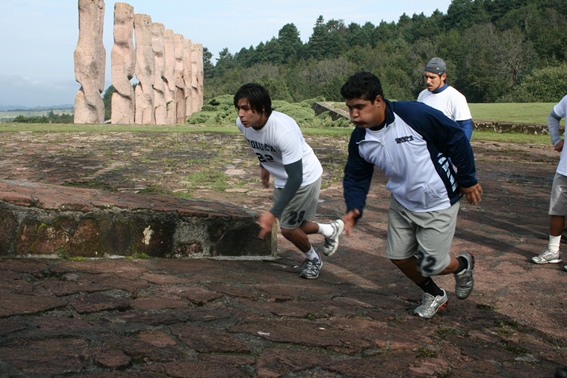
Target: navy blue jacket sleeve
[{"x": 357, "y": 174}]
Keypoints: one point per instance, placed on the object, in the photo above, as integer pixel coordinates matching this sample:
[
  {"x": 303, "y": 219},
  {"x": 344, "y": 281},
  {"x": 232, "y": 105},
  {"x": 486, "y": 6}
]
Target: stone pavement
[{"x": 221, "y": 318}]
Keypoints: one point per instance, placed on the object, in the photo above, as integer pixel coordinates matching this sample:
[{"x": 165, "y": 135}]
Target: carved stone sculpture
[
  {"x": 122, "y": 65},
  {"x": 169, "y": 76},
  {"x": 197, "y": 76},
  {"x": 179, "y": 83},
  {"x": 144, "y": 69},
  {"x": 187, "y": 75},
  {"x": 160, "y": 110},
  {"x": 90, "y": 59}
]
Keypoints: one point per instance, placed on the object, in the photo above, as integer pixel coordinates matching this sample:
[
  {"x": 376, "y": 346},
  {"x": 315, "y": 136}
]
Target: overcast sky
[{"x": 38, "y": 37}]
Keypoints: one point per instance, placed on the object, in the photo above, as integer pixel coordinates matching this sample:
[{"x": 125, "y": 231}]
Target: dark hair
[
  {"x": 257, "y": 96},
  {"x": 363, "y": 85}
]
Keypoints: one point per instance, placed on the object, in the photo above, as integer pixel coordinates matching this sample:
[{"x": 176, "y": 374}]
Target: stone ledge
[{"x": 47, "y": 220}]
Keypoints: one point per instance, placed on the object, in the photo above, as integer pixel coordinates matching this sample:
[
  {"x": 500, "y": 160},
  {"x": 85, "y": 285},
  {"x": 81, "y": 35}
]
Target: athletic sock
[
  {"x": 463, "y": 264},
  {"x": 554, "y": 242},
  {"x": 429, "y": 286},
  {"x": 312, "y": 254},
  {"x": 325, "y": 229}
]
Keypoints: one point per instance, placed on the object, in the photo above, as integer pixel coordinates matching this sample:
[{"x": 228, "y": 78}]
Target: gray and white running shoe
[
  {"x": 464, "y": 281},
  {"x": 332, "y": 242},
  {"x": 547, "y": 257},
  {"x": 310, "y": 269},
  {"x": 430, "y": 305}
]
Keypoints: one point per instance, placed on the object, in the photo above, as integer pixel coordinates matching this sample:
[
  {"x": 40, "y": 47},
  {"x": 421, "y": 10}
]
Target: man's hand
[
  {"x": 473, "y": 194},
  {"x": 350, "y": 220},
  {"x": 265, "y": 176},
  {"x": 559, "y": 146},
  {"x": 266, "y": 222}
]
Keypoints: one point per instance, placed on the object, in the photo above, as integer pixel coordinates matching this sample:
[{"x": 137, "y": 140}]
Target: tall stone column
[
  {"x": 144, "y": 69},
  {"x": 90, "y": 59},
  {"x": 158, "y": 47},
  {"x": 197, "y": 77},
  {"x": 187, "y": 67},
  {"x": 179, "y": 83},
  {"x": 169, "y": 76},
  {"x": 123, "y": 60}
]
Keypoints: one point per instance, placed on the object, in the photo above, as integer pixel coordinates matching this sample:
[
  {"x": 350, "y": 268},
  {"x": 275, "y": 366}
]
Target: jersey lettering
[{"x": 260, "y": 146}]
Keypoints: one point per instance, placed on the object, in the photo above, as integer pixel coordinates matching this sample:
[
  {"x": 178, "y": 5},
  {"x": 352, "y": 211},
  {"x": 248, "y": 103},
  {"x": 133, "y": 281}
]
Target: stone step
[{"x": 40, "y": 220}]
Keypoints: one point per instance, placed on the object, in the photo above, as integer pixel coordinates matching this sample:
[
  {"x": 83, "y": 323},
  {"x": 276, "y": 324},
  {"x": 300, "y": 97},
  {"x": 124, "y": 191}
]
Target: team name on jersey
[
  {"x": 405, "y": 139},
  {"x": 260, "y": 146}
]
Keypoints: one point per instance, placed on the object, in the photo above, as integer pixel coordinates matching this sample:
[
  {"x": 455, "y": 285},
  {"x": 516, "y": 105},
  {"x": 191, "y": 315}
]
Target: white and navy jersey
[
  {"x": 413, "y": 150},
  {"x": 560, "y": 109},
  {"x": 448, "y": 100},
  {"x": 279, "y": 143}
]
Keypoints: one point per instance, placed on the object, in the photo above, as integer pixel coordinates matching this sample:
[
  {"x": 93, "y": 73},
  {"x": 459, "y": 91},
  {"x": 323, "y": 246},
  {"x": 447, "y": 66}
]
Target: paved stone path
[{"x": 211, "y": 318}]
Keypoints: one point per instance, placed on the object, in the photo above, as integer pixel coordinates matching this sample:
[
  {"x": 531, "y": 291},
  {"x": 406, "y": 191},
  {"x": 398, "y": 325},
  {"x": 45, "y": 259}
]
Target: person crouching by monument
[{"x": 277, "y": 141}]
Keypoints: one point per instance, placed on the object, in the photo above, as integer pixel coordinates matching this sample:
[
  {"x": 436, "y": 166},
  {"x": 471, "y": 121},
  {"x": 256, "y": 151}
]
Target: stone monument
[
  {"x": 197, "y": 74},
  {"x": 167, "y": 66},
  {"x": 158, "y": 47},
  {"x": 123, "y": 61},
  {"x": 169, "y": 76},
  {"x": 144, "y": 69},
  {"x": 90, "y": 59},
  {"x": 179, "y": 83}
]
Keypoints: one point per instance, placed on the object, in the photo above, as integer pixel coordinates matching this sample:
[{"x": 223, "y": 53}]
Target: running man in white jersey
[
  {"x": 283, "y": 153},
  {"x": 444, "y": 97},
  {"x": 558, "y": 199}
]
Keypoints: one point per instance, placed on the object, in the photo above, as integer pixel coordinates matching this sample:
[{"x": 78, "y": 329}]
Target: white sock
[
  {"x": 325, "y": 229},
  {"x": 312, "y": 254},
  {"x": 554, "y": 242}
]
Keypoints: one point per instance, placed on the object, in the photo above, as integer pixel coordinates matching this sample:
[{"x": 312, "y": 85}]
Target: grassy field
[
  {"x": 535, "y": 113},
  {"x": 518, "y": 112}
]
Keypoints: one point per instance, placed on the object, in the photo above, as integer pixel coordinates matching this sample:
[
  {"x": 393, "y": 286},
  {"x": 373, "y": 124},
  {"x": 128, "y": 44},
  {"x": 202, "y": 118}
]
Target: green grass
[
  {"x": 534, "y": 113},
  {"x": 312, "y": 131}
]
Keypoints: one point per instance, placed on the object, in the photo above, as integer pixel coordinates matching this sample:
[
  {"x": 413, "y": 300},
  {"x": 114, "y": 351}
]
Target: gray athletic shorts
[
  {"x": 426, "y": 235},
  {"x": 302, "y": 207},
  {"x": 558, "y": 199}
]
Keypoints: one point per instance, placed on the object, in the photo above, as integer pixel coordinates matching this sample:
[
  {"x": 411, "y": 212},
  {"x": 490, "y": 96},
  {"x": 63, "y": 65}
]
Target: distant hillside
[{"x": 15, "y": 108}]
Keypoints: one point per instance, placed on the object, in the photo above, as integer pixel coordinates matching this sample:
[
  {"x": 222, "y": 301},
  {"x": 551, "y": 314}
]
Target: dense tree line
[
  {"x": 496, "y": 50},
  {"x": 49, "y": 118}
]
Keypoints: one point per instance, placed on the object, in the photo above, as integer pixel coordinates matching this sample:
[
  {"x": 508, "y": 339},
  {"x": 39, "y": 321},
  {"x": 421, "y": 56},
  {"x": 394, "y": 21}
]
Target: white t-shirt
[
  {"x": 280, "y": 142},
  {"x": 561, "y": 110},
  {"x": 450, "y": 101}
]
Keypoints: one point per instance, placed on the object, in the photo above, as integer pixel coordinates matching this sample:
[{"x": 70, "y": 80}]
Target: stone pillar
[
  {"x": 123, "y": 59},
  {"x": 145, "y": 66},
  {"x": 187, "y": 76},
  {"x": 197, "y": 77},
  {"x": 187, "y": 69},
  {"x": 90, "y": 59},
  {"x": 158, "y": 33},
  {"x": 179, "y": 83},
  {"x": 169, "y": 76}
]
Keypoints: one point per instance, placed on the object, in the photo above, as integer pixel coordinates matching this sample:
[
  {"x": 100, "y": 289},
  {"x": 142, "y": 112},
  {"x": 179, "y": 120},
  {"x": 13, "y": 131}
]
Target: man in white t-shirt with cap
[{"x": 444, "y": 97}]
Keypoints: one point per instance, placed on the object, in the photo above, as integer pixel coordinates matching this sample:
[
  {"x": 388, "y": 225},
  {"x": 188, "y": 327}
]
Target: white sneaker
[
  {"x": 547, "y": 257},
  {"x": 332, "y": 242},
  {"x": 430, "y": 305},
  {"x": 565, "y": 268}
]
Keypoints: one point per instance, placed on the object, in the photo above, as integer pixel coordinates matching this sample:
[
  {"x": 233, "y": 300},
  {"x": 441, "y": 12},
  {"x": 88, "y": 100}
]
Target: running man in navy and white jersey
[
  {"x": 412, "y": 143},
  {"x": 444, "y": 97},
  {"x": 283, "y": 153}
]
